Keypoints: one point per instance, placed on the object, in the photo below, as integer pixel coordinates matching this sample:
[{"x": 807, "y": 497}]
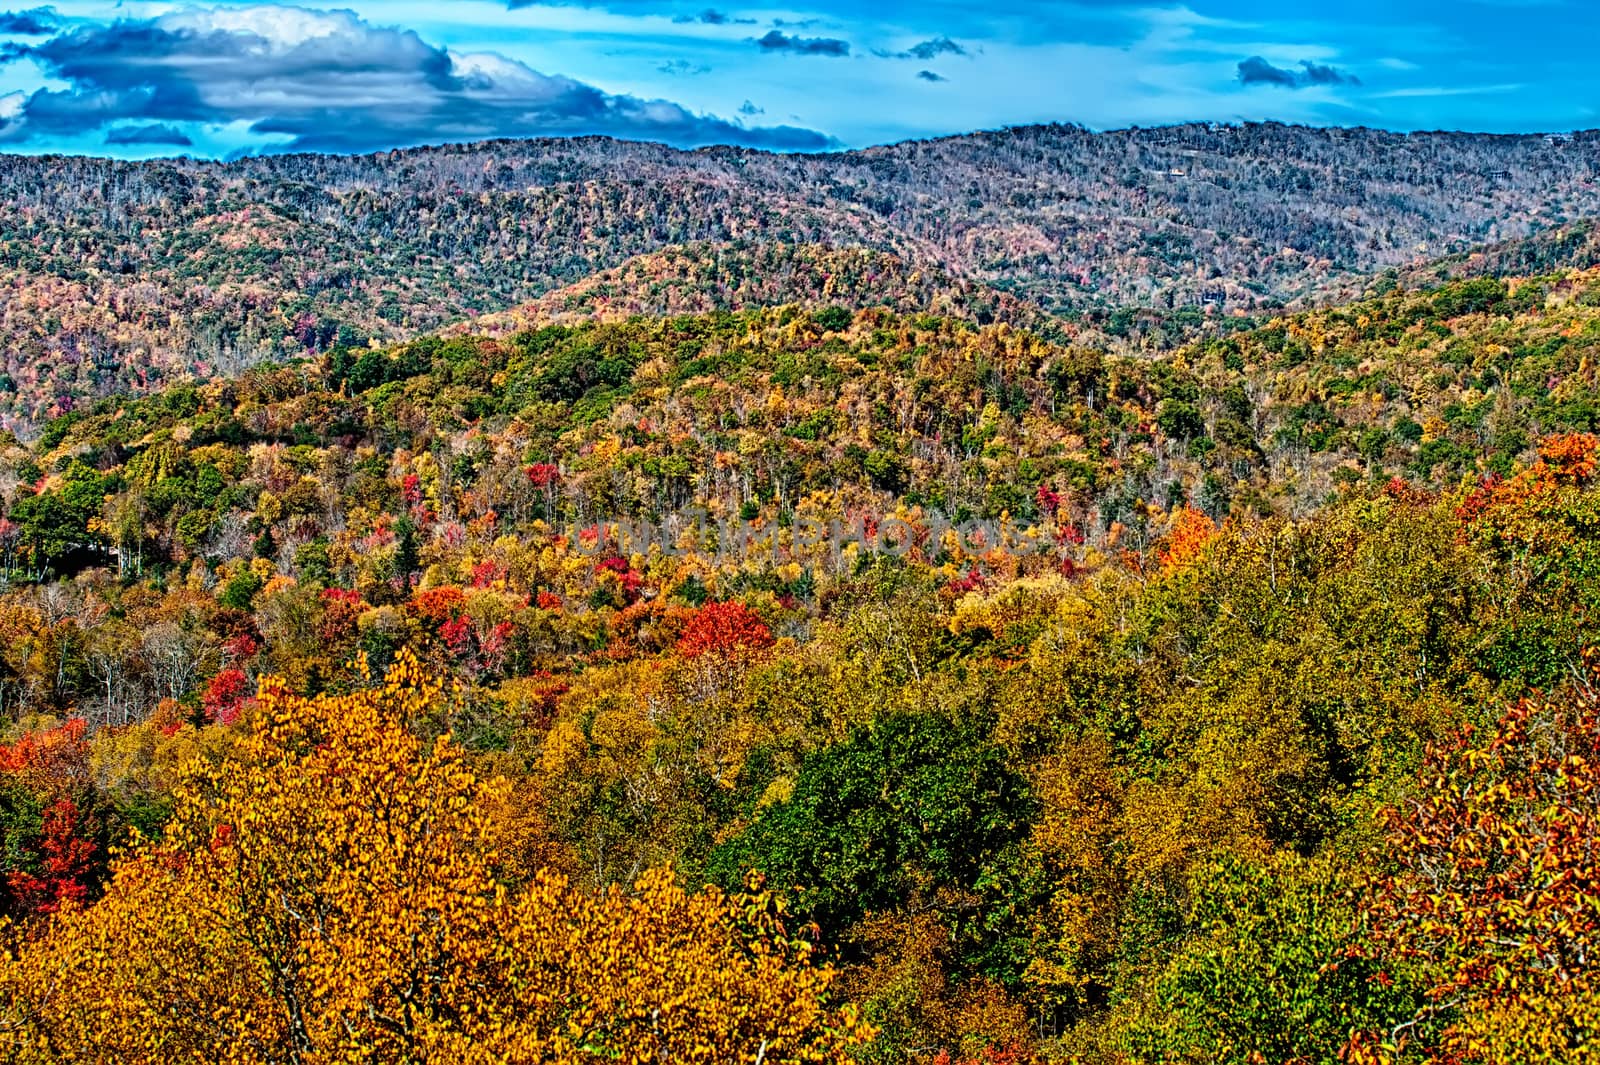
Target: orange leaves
[
  {"x": 50, "y": 761},
  {"x": 1570, "y": 457},
  {"x": 1191, "y": 531},
  {"x": 1564, "y": 460},
  {"x": 438, "y": 605},
  {"x": 724, "y": 628}
]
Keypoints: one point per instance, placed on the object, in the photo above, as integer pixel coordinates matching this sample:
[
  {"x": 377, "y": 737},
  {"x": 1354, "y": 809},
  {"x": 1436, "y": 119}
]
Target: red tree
[
  {"x": 63, "y": 864},
  {"x": 725, "y": 629},
  {"x": 225, "y": 695}
]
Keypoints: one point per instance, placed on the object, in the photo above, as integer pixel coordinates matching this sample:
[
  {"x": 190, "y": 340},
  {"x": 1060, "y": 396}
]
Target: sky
[{"x": 136, "y": 80}]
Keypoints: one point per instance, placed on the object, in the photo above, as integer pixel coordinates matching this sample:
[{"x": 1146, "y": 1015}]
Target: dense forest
[
  {"x": 124, "y": 276},
  {"x": 819, "y": 682}
]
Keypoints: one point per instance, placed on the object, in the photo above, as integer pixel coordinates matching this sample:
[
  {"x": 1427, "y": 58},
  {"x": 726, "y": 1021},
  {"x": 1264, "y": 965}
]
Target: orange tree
[{"x": 332, "y": 894}]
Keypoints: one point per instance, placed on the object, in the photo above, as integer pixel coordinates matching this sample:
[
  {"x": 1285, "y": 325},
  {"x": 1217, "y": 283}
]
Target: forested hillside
[
  {"x": 702, "y": 278},
  {"x": 885, "y": 686},
  {"x": 122, "y": 275}
]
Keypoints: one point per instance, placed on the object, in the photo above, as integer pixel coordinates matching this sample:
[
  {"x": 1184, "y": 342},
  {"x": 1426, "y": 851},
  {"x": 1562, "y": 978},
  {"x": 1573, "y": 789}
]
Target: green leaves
[
  {"x": 905, "y": 807},
  {"x": 1269, "y": 968}
]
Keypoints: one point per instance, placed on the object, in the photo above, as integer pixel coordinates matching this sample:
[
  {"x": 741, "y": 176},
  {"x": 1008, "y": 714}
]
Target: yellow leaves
[
  {"x": 1025, "y": 601},
  {"x": 152, "y": 757},
  {"x": 331, "y": 892}
]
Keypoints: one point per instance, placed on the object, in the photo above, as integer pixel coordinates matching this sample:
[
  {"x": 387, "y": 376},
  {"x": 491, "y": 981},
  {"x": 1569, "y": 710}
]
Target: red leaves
[
  {"x": 63, "y": 864},
  {"x": 1480, "y": 500},
  {"x": 1011, "y": 1054},
  {"x": 486, "y": 573},
  {"x": 1566, "y": 459},
  {"x": 340, "y": 610},
  {"x": 1496, "y": 877},
  {"x": 457, "y": 635},
  {"x": 494, "y": 645},
  {"x": 438, "y": 605},
  {"x": 53, "y": 765},
  {"x": 1070, "y": 533},
  {"x": 629, "y": 581},
  {"x": 1402, "y": 491},
  {"x": 225, "y": 696},
  {"x": 543, "y": 474},
  {"x": 971, "y": 581},
  {"x": 477, "y": 649},
  {"x": 725, "y": 629}
]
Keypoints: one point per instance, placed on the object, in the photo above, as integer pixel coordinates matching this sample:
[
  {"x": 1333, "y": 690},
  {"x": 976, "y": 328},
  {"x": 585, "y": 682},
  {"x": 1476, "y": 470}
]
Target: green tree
[{"x": 1268, "y": 970}]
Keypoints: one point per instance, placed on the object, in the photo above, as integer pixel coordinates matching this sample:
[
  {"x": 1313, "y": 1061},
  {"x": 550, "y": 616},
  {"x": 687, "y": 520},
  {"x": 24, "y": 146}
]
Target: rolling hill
[
  {"x": 1034, "y": 679},
  {"x": 121, "y": 275}
]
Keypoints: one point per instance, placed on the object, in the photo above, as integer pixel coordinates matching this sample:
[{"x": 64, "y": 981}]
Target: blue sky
[{"x": 139, "y": 79}]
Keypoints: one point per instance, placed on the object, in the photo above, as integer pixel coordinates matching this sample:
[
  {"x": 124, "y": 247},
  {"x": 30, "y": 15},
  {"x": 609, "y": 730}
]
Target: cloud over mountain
[
  {"x": 778, "y": 41},
  {"x": 331, "y": 81},
  {"x": 1257, "y": 71},
  {"x": 155, "y": 133}
]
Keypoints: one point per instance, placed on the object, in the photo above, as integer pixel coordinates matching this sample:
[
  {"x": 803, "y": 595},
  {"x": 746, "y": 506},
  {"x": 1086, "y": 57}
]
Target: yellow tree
[{"x": 331, "y": 893}]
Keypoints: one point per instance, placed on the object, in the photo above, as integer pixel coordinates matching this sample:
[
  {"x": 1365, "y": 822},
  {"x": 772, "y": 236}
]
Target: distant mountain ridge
[{"x": 118, "y": 275}]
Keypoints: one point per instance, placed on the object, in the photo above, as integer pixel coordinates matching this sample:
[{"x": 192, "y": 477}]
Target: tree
[
  {"x": 723, "y": 630},
  {"x": 1495, "y": 894},
  {"x": 56, "y": 522},
  {"x": 332, "y": 893},
  {"x": 911, "y": 803},
  {"x": 1269, "y": 970}
]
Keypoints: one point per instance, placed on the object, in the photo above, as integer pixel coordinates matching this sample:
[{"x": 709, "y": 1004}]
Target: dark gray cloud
[
  {"x": 154, "y": 133},
  {"x": 1317, "y": 74},
  {"x": 712, "y": 17},
  {"x": 1257, "y": 71},
  {"x": 329, "y": 81},
  {"x": 777, "y": 41},
  {"x": 928, "y": 75},
  {"x": 934, "y": 49},
  {"x": 32, "y": 23},
  {"x": 930, "y": 49},
  {"x": 750, "y": 110}
]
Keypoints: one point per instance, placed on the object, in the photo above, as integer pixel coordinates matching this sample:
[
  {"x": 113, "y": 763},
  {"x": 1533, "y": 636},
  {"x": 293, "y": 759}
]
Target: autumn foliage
[
  {"x": 1191, "y": 531},
  {"x": 1497, "y": 893},
  {"x": 723, "y": 629},
  {"x": 1083, "y": 762},
  {"x": 331, "y": 894}
]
